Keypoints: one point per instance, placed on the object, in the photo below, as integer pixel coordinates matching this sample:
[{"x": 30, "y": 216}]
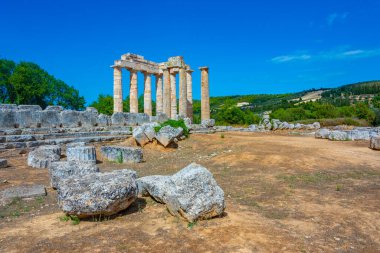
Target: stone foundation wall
[{"x": 32, "y": 116}]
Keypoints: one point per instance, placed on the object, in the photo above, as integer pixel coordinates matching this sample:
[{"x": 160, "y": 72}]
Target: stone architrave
[
  {"x": 182, "y": 93},
  {"x": 117, "y": 90},
  {"x": 159, "y": 104},
  {"x": 147, "y": 93},
  {"x": 205, "y": 96},
  {"x": 134, "y": 103}
]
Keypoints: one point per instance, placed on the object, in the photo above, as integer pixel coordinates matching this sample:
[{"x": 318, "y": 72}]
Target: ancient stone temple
[{"x": 165, "y": 84}]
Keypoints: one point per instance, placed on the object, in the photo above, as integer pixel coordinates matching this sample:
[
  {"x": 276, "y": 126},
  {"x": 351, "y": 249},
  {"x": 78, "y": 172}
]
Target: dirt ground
[{"x": 284, "y": 193}]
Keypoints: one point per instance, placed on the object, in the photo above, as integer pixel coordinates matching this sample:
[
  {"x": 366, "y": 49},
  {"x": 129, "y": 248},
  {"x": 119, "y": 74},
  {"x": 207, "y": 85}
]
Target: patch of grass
[
  {"x": 40, "y": 200},
  {"x": 120, "y": 158},
  {"x": 74, "y": 219},
  {"x": 17, "y": 206},
  {"x": 338, "y": 187},
  {"x": 190, "y": 225},
  {"x": 307, "y": 178},
  {"x": 222, "y": 136},
  {"x": 175, "y": 124}
]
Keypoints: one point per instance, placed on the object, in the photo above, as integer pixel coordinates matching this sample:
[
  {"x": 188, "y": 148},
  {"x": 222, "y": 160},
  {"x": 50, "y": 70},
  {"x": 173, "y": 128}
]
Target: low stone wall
[{"x": 32, "y": 116}]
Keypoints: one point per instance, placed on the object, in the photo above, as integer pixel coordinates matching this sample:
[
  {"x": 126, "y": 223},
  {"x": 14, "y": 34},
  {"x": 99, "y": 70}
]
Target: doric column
[
  {"x": 133, "y": 102},
  {"x": 117, "y": 90},
  {"x": 166, "y": 99},
  {"x": 159, "y": 93},
  {"x": 189, "y": 80},
  {"x": 205, "y": 96},
  {"x": 147, "y": 93},
  {"x": 173, "y": 94},
  {"x": 182, "y": 93}
]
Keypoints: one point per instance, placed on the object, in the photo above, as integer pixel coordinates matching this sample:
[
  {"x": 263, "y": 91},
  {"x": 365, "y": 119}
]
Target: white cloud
[
  {"x": 336, "y": 17},
  {"x": 337, "y": 54}
]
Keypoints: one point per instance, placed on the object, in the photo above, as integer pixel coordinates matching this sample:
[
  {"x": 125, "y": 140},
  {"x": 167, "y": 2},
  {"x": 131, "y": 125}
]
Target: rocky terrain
[{"x": 284, "y": 192}]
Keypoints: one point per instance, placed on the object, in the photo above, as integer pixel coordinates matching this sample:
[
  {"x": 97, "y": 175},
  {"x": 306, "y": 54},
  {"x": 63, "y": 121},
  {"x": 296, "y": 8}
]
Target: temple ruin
[{"x": 166, "y": 87}]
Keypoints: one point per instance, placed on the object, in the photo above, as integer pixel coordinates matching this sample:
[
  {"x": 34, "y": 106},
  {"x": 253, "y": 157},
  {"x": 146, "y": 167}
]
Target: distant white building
[{"x": 241, "y": 104}]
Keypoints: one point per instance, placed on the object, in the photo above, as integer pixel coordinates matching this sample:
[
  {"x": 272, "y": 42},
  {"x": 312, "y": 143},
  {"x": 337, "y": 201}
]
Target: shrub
[{"x": 175, "y": 124}]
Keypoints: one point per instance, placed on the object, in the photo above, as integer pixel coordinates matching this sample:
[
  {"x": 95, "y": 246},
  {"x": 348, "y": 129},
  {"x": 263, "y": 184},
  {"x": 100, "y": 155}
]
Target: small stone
[{"x": 3, "y": 163}]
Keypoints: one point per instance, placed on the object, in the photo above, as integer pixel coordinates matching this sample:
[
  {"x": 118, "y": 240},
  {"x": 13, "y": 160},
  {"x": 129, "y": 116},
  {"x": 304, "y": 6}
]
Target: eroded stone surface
[
  {"x": 41, "y": 158},
  {"x": 81, "y": 153},
  {"x": 323, "y": 133},
  {"x": 3, "y": 163},
  {"x": 23, "y": 191},
  {"x": 375, "y": 143},
  {"x": 122, "y": 154},
  {"x": 98, "y": 193},
  {"x": 168, "y": 134},
  {"x": 191, "y": 193},
  {"x": 61, "y": 170}
]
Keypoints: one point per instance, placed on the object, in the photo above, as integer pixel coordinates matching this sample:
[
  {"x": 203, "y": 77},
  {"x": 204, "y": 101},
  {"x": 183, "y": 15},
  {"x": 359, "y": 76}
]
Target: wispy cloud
[
  {"x": 336, "y": 17},
  {"x": 327, "y": 55}
]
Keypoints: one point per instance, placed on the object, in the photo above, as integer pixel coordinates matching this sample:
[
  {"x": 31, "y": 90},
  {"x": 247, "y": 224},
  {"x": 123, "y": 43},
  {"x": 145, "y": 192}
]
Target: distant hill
[{"x": 264, "y": 102}]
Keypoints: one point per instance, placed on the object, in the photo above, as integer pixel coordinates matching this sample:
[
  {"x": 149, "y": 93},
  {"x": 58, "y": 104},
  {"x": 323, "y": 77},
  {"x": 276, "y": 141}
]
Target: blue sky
[{"x": 250, "y": 46}]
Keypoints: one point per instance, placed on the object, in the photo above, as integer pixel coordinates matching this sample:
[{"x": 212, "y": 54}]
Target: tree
[
  {"x": 104, "y": 104},
  {"x": 28, "y": 83},
  {"x": 7, "y": 93}
]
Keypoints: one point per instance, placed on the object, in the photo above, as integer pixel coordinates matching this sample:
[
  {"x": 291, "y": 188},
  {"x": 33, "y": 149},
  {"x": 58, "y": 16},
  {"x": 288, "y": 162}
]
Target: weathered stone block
[
  {"x": 81, "y": 153},
  {"x": 41, "y": 158},
  {"x": 140, "y": 136},
  {"x": 97, "y": 193},
  {"x": 322, "y": 133},
  {"x": 89, "y": 117},
  {"x": 28, "y": 118},
  {"x": 63, "y": 169},
  {"x": 24, "y": 191},
  {"x": 168, "y": 134},
  {"x": 8, "y": 118},
  {"x": 118, "y": 119},
  {"x": 54, "y": 108},
  {"x": 30, "y": 107},
  {"x": 191, "y": 193},
  {"x": 122, "y": 154},
  {"x": 208, "y": 122},
  {"x": 8, "y": 107},
  {"x": 103, "y": 120},
  {"x": 50, "y": 118},
  {"x": 375, "y": 142},
  {"x": 338, "y": 136},
  {"x": 70, "y": 118}
]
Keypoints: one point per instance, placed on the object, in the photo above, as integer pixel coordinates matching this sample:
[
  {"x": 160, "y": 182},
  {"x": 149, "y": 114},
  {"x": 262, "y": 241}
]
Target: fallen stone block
[
  {"x": 167, "y": 134},
  {"x": 338, "y": 136},
  {"x": 323, "y": 133},
  {"x": 81, "y": 153},
  {"x": 98, "y": 193},
  {"x": 356, "y": 135},
  {"x": 139, "y": 135},
  {"x": 24, "y": 191},
  {"x": 122, "y": 154},
  {"x": 41, "y": 158},
  {"x": 63, "y": 169},
  {"x": 191, "y": 193},
  {"x": 375, "y": 142},
  {"x": 3, "y": 163}
]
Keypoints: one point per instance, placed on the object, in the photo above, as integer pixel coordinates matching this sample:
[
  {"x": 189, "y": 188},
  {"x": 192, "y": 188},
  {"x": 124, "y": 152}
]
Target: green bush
[{"x": 175, "y": 124}]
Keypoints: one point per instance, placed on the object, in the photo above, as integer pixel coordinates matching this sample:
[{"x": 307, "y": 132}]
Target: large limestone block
[
  {"x": 167, "y": 134},
  {"x": 103, "y": 120},
  {"x": 323, "y": 133},
  {"x": 23, "y": 191},
  {"x": 28, "y": 118},
  {"x": 8, "y": 118},
  {"x": 61, "y": 170},
  {"x": 149, "y": 130},
  {"x": 70, "y": 118},
  {"x": 338, "y": 136},
  {"x": 41, "y": 158},
  {"x": 98, "y": 193},
  {"x": 122, "y": 154},
  {"x": 375, "y": 142},
  {"x": 191, "y": 193},
  {"x": 8, "y": 107},
  {"x": 56, "y": 149},
  {"x": 50, "y": 118},
  {"x": 81, "y": 153},
  {"x": 356, "y": 135},
  {"x": 118, "y": 119},
  {"x": 139, "y": 135},
  {"x": 89, "y": 117}
]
